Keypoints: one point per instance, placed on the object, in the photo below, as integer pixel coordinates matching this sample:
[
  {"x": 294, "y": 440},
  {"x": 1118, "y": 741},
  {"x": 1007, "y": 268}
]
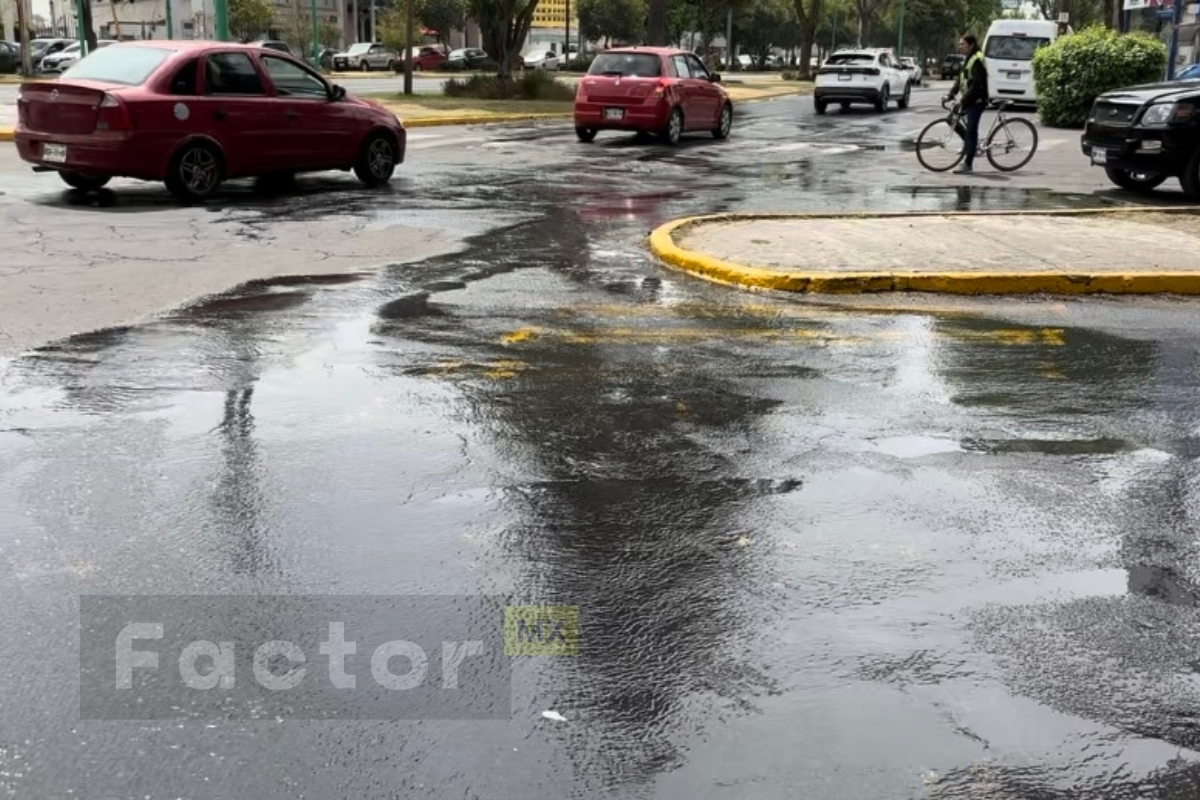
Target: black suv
[{"x": 1145, "y": 134}]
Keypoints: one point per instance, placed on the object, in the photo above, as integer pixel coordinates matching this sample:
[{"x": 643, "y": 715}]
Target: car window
[
  {"x": 698, "y": 70},
  {"x": 130, "y": 66},
  {"x": 1013, "y": 48},
  {"x": 184, "y": 80},
  {"x": 851, "y": 60},
  {"x": 291, "y": 79},
  {"x": 627, "y": 65},
  {"x": 231, "y": 73},
  {"x": 681, "y": 67}
]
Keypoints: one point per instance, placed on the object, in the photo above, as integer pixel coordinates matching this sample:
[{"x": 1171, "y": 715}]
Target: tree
[
  {"x": 504, "y": 25},
  {"x": 443, "y": 16},
  {"x": 762, "y": 25},
  {"x": 294, "y": 25},
  {"x": 329, "y": 35},
  {"x": 249, "y": 19},
  {"x": 658, "y": 23},
  {"x": 867, "y": 11},
  {"x": 932, "y": 27},
  {"x": 808, "y": 15},
  {"x": 612, "y": 19}
]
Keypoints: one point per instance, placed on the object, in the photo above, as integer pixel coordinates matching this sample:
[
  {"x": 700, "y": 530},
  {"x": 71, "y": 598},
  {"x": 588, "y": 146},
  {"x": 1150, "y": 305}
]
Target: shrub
[
  {"x": 1074, "y": 70},
  {"x": 531, "y": 85}
]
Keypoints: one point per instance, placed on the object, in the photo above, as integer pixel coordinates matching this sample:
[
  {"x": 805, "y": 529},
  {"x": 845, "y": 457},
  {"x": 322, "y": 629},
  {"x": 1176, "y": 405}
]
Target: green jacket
[{"x": 973, "y": 80}]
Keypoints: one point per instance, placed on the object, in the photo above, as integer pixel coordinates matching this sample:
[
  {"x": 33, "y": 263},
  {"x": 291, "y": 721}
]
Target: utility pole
[
  {"x": 24, "y": 15},
  {"x": 729, "y": 41},
  {"x": 170, "y": 22},
  {"x": 373, "y": 39},
  {"x": 221, "y": 19},
  {"x": 1174, "y": 40},
  {"x": 316, "y": 50},
  {"x": 567, "y": 47},
  {"x": 900, "y": 36},
  {"x": 82, "y": 20},
  {"x": 410, "y": 12}
]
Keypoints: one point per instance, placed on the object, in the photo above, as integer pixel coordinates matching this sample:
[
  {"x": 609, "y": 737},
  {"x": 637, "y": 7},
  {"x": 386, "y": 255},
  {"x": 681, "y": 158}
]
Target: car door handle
[
  {"x": 292, "y": 114},
  {"x": 220, "y": 114}
]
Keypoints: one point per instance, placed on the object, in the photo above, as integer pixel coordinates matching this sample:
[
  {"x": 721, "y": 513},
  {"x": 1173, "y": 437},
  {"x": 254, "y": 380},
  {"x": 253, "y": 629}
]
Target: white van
[{"x": 1008, "y": 51}]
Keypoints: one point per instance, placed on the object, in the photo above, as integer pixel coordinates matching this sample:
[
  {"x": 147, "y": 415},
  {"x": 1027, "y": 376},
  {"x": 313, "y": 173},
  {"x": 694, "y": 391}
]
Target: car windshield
[
  {"x": 1013, "y": 48},
  {"x": 126, "y": 65},
  {"x": 852, "y": 59},
  {"x": 361, "y": 47},
  {"x": 627, "y": 65}
]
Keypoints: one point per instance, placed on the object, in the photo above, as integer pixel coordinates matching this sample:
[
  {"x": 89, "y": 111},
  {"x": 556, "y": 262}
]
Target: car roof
[
  {"x": 870, "y": 53},
  {"x": 656, "y": 51}
]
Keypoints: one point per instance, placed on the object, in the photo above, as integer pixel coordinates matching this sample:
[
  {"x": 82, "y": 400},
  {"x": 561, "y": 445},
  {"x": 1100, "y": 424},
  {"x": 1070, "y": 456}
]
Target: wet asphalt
[{"x": 820, "y": 548}]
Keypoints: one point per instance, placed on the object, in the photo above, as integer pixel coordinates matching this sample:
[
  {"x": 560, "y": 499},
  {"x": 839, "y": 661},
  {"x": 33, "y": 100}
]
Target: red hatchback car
[
  {"x": 651, "y": 90},
  {"x": 192, "y": 114}
]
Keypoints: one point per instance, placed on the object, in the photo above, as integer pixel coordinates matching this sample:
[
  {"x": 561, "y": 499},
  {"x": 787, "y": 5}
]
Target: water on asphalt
[{"x": 819, "y": 549}]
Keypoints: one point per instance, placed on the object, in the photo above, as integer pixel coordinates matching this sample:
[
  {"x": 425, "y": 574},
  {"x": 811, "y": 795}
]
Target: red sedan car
[
  {"x": 192, "y": 114},
  {"x": 651, "y": 90}
]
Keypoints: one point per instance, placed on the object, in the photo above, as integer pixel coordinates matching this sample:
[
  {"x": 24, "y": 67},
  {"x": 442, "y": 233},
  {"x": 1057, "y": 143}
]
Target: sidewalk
[
  {"x": 8, "y": 121},
  {"x": 1126, "y": 250}
]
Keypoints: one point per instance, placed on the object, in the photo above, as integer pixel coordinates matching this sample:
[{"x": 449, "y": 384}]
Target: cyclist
[{"x": 973, "y": 84}]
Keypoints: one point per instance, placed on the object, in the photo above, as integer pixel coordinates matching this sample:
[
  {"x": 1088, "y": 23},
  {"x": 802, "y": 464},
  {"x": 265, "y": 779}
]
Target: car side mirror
[
  {"x": 337, "y": 93},
  {"x": 715, "y": 77}
]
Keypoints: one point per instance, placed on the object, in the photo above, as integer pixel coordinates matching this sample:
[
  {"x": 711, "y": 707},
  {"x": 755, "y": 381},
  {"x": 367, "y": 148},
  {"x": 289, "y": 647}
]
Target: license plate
[
  {"x": 1014, "y": 76},
  {"x": 614, "y": 113},
  {"x": 1099, "y": 156},
  {"x": 845, "y": 77},
  {"x": 55, "y": 153}
]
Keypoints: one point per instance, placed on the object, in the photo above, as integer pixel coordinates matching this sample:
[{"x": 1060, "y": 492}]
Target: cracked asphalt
[{"x": 882, "y": 547}]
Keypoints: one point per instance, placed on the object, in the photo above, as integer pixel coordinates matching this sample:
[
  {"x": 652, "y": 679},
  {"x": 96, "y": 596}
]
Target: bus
[{"x": 1008, "y": 51}]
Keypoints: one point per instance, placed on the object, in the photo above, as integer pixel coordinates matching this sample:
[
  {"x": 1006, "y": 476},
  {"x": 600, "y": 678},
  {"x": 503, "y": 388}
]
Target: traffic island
[{"x": 1133, "y": 250}]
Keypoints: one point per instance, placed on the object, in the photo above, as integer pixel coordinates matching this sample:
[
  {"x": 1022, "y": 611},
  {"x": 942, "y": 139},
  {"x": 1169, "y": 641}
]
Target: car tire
[
  {"x": 820, "y": 106},
  {"x": 196, "y": 171},
  {"x": 903, "y": 102},
  {"x": 725, "y": 123},
  {"x": 586, "y": 134},
  {"x": 364, "y": 66},
  {"x": 84, "y": 183},
  {"x": 376, "y": 159},
  {"x": 416, "y": 67},
  {"x": 391, "y": 66},
  {"x": 674, "y": 130},
  {"x": 1130, "y": 180},
  {"x": 885, "y": 96},
  {"x": 1190, "y": 179}
]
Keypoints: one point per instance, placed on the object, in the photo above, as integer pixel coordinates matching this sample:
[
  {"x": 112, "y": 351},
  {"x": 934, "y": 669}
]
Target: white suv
[{"x": 862, "y": 76}]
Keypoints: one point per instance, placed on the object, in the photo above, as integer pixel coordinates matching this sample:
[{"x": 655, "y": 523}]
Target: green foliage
[
  {"x": 329, "y": 35},
  {"x": 532, "y": 85},
  {"x": 932, "y": 27},
  {"x": 763, "y": 24},
  {"x": 619, "y": 20},
  {"x": 442, "y": 16},
  {"x": 1074, "y": 70},
  {"x": 250, "y": 19}
]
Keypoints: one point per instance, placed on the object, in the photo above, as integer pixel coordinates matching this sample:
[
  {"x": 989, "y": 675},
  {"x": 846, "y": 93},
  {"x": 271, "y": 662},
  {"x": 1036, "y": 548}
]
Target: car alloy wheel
[
  {"x": 364, "y": 66},
  {"x": 884, "y": 98},
  {"x": 199, "y": 172},
  {"x": 674, "y": 126},
  {"x": 376, "y": 160},
  {"x": 726, "y": 123}
]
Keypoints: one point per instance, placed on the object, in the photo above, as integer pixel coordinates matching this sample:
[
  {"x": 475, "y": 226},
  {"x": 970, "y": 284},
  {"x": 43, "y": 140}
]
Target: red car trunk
[
  {"x": 625, "y": 91},
  {"x": 63, "y": 108}
]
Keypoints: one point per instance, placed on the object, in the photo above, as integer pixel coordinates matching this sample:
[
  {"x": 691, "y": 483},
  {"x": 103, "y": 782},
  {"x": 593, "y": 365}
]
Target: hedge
[{"x": 1074, "y": 70}]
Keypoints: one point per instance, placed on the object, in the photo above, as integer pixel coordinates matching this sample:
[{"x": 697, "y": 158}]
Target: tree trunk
[
  {"x": 808, "y": 33},
  {"x": 89, "y": 28},
  {"x": 656, "y": 27}
]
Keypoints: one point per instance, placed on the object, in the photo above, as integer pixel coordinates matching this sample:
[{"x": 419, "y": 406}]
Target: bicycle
[{"x": 945, "y": 137}]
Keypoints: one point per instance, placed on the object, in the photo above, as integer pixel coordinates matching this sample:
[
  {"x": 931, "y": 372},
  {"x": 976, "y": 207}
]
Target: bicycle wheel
[
  {"x": 939, "y": 147},
  {"x": 1012, "y": 144}
]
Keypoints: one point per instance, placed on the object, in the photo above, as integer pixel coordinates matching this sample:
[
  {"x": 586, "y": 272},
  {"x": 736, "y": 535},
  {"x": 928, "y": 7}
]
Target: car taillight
[
  {"x": 113, "y": 115},
  {"x": 22, "y": 110},
  {"x": 660, "y": 88},
  {"x": 873, "y": 72},
  {"x": 581, "y": 93}
]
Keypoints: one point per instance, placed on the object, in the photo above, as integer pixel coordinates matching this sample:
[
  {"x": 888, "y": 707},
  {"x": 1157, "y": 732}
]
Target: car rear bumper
[
  {"x": 846, "y": 94},
  {"x": 93, "y": 154},
  {"x": 648, "y": 117},
  {"x": 1139, "y": 150}
]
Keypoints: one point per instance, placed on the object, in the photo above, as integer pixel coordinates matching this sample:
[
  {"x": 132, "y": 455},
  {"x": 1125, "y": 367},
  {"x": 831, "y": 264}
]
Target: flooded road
[{"x": 881, "y": 548}]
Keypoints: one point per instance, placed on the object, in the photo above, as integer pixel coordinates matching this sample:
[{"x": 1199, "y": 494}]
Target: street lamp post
[
  {"x": 316, "y": 52},
  {"x": 221, "y": 19},
  {"x": 170, "y": 22}
]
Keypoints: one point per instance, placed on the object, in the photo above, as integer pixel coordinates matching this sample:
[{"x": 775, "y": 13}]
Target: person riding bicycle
[{"x": 973, "y": 83}]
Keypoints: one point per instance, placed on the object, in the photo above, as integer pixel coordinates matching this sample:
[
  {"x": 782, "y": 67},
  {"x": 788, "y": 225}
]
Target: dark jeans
[{"x": 968, "y": 128}]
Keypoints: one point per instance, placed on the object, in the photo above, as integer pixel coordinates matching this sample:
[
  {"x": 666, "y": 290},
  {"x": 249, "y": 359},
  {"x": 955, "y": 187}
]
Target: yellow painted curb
[
  {"x": 7, "y": 135},
  {"x": 1071, "y": 281}
]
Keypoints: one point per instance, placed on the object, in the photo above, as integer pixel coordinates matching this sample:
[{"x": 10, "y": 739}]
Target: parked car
[
  {"x": 1144, "y": 135},
  {"x": 67, "y": 57},
  {"x": 1188, "y": 73},
  {"x": 40, "y": 48},
  {"x": 467, "y": 58},
  {"x": 193, "y": 114},
  {"x": 952, "y": 65},
  {"x": 862, "y": 76},
  {"x": 915, "y": 71},
  {"x": 365, "y": 57},
  {"x": 542, "y": 59},
  {"x": 424, "y": 58},
  {"x": 274, "y": 44},
  {"x": 651, "y": 90},
  {"x": 10, "y": 58}
]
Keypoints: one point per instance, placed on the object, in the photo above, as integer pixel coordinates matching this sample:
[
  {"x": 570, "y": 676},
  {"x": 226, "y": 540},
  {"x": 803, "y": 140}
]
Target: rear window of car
[
  {"x": 627, "y": 65},
  {"x": 852, "y": 60},
  {"x": 126, "y": 65},
  {"x": 1013, "y": 48}
]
